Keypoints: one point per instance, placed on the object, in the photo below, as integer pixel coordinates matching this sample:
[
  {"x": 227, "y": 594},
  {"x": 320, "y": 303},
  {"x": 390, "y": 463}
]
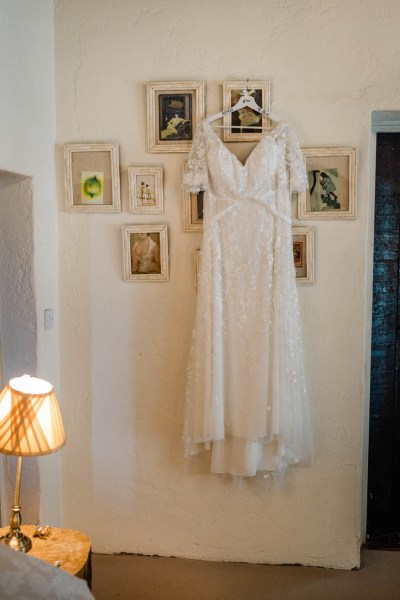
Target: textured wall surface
[
  {"x": 124, "y": 345},
  {"x": 27, "y": 131},
  {"x": 17, "y": 298}
]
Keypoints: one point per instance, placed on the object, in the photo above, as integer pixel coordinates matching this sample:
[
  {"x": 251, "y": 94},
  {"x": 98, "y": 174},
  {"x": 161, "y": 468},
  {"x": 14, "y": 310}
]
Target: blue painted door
[{"x": 383, "y": 509}]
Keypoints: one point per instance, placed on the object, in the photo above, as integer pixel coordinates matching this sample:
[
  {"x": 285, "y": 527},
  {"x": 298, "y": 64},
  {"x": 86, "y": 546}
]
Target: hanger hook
[{"x": 247, "y": 91}]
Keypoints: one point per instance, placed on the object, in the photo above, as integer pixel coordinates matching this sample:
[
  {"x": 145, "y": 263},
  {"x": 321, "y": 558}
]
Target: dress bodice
[{"x": 212, "y": 164}]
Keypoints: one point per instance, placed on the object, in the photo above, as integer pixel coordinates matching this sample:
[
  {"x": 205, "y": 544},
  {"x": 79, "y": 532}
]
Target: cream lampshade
[{"x": 30, "y": 425}]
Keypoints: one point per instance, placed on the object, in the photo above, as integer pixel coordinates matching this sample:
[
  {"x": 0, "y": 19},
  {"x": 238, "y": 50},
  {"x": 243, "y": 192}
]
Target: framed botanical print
[
  {"x": 145, "y": 250},
  {"x": 245, "y": 125},
  {"x": 193, "y": 207},
  {"x": 146, "y": 189},
  {"x": 303, "y": 254},
  {"x": 92, "y": 177},
  {"x": 173, "y": 111},
  {"x": 331, "y": 192}
]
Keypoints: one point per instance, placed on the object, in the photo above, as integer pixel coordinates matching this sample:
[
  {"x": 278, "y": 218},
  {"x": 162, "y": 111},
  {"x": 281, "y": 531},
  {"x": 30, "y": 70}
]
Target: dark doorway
[{"x": 383, "y": 506}]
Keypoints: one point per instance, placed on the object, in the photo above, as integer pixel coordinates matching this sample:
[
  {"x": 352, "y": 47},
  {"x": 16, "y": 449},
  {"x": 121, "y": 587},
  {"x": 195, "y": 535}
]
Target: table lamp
[{"x": 30, "y": 425}]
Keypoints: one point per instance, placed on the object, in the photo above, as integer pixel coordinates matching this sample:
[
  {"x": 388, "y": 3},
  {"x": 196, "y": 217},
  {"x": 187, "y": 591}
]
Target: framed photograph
[
  {"x": 197, "y": 264},
  {"x": 193, "y": 205},
  {"x": 146, "y": 189},
  {"x": 246, "y": 122},
  {"x": 331, "y": 190},
  {"x": 303, "y": 254},
  {"x": 92, "y": 177},
  {"x": 173, "y": 111},
  {"x": 145, "y": 252}
]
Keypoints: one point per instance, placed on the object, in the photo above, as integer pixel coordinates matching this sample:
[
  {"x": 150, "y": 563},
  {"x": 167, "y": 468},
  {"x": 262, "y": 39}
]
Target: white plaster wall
[
  {"x": 124, "y": 346},
  {"x": 17, "y": 298},
  {"x": 27, "y": 131}
]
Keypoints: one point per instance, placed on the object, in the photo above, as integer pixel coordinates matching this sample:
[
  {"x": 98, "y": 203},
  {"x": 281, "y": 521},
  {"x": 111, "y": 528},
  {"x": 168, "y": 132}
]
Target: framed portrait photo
[
  {"x": 146, "y": 189},
  {"x": 331, "y": 192},
  {"x": 193, "y": 206},
  {"x": 173, "y": 111},
  {"x": 303, "y": 254},
  {"x": 145, "y": 249},
  {"x": 245, "y": 125},
  {"x": 92, "y": 177}
]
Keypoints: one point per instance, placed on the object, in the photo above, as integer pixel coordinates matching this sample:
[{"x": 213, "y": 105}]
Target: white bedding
[{"x": 28, "y": 578}]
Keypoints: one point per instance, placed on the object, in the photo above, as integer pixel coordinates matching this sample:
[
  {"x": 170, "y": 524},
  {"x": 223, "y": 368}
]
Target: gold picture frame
[
  {"x": 245, "y": 118},
  {"x": 174, "y": 109},
  {"x": 331, "y": 192},
  {"x": 145, "y": 251},
  {"x": 303, "y": 254},
  {"x": 92, "y": 177}
]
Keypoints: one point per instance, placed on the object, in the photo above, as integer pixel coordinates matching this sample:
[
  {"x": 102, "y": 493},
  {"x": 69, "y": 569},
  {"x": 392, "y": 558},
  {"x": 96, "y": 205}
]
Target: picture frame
[
  {"x": 303, "y": 254},
  {"x": 331, "y": 176},
  {"x": 245, "y": 116},
  {"x": 174, "y": 109},
  {"x": 146, "y": 189},
  {"x": 145, "y": 251},
  {"x": 197, "y": 265},
  {"x": 92, "y": 179},
  {"x": 192, "y": 209}
]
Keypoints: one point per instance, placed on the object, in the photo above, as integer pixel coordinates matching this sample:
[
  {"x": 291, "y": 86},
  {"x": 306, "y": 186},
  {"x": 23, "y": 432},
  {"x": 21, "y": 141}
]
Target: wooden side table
[{"x": 68, "y": 549}]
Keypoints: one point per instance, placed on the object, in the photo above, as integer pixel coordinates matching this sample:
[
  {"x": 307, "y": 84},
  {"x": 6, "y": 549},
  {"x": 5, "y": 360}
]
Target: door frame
[{"x": 381, "y": 121}]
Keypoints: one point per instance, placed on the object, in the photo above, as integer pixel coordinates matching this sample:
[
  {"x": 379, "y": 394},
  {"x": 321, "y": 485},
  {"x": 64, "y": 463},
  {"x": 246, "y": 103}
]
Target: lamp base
[{"x": 17, "y": 541}]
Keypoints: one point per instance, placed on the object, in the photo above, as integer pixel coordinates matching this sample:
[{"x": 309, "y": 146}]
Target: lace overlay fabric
[{"x": 246, "y": 393}]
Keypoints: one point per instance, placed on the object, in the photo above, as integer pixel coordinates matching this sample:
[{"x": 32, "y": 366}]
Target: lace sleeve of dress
[
  {"x": 295, "y": 162},
  {"x": 195, "y": 177}
]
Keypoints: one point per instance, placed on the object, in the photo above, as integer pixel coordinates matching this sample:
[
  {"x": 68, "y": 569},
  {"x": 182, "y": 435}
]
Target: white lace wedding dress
[{"x": 246, "y": 395}]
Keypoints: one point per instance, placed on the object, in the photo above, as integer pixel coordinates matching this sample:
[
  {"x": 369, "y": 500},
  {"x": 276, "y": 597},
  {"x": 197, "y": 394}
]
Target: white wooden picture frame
[
  {"x": 193, "y": 205},
  {"x": 174, "y": 109},
  {"x": 92, "y": 178},
  {"x": 197, "y": 265},
  {"x": 331, "y": 192},
  {"x": 146, "y": 189},
  {"x": 245, "y": 118},
  {"x": 303, "y": 254},
  {"x": 145, "y": 252}
]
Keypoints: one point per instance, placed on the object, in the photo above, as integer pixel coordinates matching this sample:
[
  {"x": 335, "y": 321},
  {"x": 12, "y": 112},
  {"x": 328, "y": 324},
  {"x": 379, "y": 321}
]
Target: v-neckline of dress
[{"x": 268, "y": 134}]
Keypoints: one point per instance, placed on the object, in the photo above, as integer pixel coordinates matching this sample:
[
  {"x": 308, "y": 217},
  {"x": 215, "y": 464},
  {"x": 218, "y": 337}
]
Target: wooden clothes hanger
[{"x": 246, "y": 101}]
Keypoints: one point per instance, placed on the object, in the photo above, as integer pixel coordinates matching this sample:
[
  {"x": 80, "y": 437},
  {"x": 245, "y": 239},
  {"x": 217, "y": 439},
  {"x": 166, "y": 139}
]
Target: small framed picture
[
  {"x": 193, "y": 206},
  {"x": 197, "y": 265},
  {"x": 92, "y": 177},
  {"x": 331, "y": 190},
  {"x": 245, "y": 125},
  {"x": 145, "y": 252},
  {"x": 303, "y": 254},
  {"x": 173, "y": 111},
  {"x": 146, "y": 189}
]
